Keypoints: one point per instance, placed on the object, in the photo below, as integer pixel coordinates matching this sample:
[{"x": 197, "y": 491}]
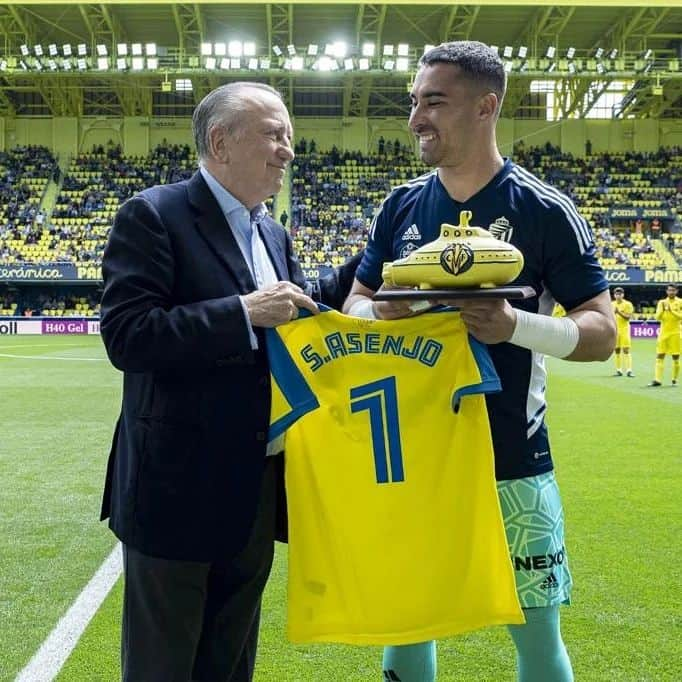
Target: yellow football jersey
[
  {"x": 395, "y": 529},
  {"x": 626, "y": 308},
  {"x": 669, "y": 312}
]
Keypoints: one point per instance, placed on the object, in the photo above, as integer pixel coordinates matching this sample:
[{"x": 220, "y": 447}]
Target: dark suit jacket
[{"x": 188, "y": 452}]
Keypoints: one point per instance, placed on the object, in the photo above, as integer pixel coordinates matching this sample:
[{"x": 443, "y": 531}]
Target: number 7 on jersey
[{"x": 380, "y": 399}]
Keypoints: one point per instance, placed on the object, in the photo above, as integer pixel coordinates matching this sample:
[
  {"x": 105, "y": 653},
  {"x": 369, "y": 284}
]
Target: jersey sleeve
[
  {"x": 379, "y": 247},
  {"x": 487, "y": 381},
  {"x": 291, "y": 395},
  {"x": 572, "y": 272}
]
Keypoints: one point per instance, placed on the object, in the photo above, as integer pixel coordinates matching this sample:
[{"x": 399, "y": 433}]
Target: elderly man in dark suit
[{"x": 193, "y": 273}]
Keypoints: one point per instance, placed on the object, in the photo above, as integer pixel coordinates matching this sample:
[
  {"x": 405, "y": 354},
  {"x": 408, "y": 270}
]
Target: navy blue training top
[{"x": 560, "y": 264}]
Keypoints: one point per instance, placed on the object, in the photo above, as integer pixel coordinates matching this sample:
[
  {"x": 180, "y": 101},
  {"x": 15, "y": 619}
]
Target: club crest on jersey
[
  {"x": 456, "y": 258},
  {"x": 407, "y": 250},
  {"x": 412, "y": 232},
  {"x": 501, "y": 229}
]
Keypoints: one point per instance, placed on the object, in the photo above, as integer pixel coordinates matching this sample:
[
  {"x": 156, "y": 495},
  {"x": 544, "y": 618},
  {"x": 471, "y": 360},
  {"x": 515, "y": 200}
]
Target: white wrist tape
[
  {"x": 363, "y": 307},
  {"x": 556, "y": 336}
]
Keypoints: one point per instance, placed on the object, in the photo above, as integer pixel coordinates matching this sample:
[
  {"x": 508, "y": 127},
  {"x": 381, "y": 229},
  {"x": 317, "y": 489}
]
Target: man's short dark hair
[
  {"x": 475, "y": 60},
  {"x": 619, "y": 290}
]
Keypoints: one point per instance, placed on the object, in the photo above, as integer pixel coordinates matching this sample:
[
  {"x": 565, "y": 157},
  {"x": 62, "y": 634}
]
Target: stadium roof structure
[{"x": 159, "y": 57}]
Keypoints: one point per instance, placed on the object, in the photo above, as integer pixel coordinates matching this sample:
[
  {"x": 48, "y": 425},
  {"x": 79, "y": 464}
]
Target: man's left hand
[{"x": 488, "y": 320}]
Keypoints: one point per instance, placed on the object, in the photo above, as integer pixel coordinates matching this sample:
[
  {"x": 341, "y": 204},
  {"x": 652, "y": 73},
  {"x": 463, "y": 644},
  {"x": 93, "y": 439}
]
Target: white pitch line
[
  {"x": 50, "y": 658},
  {"x": 50, "y": 357}
]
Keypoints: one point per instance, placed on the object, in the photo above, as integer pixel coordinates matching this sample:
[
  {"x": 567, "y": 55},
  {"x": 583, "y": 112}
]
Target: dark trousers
[{"x": 185, "y": 620}]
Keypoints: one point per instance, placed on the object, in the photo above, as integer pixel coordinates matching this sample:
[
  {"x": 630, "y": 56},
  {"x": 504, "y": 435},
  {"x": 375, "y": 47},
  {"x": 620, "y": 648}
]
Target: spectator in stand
[
  {"x": 639, "y": 226},
  {"x": 283, "y": 218},
  {"x": 655, "y": 228}
]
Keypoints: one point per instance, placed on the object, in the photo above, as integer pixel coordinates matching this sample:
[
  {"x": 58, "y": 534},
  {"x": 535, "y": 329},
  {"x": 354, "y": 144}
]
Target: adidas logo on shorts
[{"x": 549, "y": 583}]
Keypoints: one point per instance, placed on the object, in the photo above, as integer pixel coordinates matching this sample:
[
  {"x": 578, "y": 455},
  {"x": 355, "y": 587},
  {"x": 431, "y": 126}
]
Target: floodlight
[
  {"x": 24, "y": 50},
  {"x": 52, "y": 50},
  {"x": 508, "y": 52},
  {"x": 402, "y": 64},
  {"x": 673, "y": 65},
  {"x": 571, "y": 68},
  {"x": 81, "y": 64},
  {"x": 152, "y": 63},
  {"x": 265, "y": 63},
  {"x": 599, "y": 53},
  {"x": 388, "y": 50},
  {"x": 508, "y": 66},
  {"x": 253, "y": 64},
  {"x": 206, "y": 49},
  {"x": 389, "y": 64},
  {"x": 138, "y": 63},
  {"x": 551, "y": 67},
  {"x": 102, "y": 63},
  {"x": 570, "y": 53},
  {"x": 3, "y": 65},
  {"x": 551, "y": 51},
  {"x": 136, "y": 49},
  {"x": 82, "y": 49},
  {"x": 614, "y": 53},
  {"x": 329, "y": 49},
  {"x": 363, "y": 64},
  {"x": 183, "y": 85},
  {"x": 249, "y": 49},
  {"x": 323, "y": 64},
  {"x": 150, "y": 49},
  {"x": 101, "y": 50},
  {"x": 348, "y": 64},
  {"x": 235, "y": 48},
  {"x": 66, "y": 64},
  {"x": 291, "y": 50},
  {"x": 166, "y": 86},
  {"x": 495, "y": 49},
  {"x": 403, "y": 49},
  {"x": 210, "y": 63},
  {"x": 121, "y": 64},
  {"x": 66, "y": 50},
  {"x": 38, "y": 49},
  {"x": 297, "y": 63},
  {"x": 235, "y": 63},
  {"x": 277, "y": 50},
  {"x": 368, "y": 49},
  {"x": 647, "y": 55},
  {"x": 312, "y": 50},
  {"x": 427, "y": 48},
  {"x": 523, "y": 52},
  {"x": 225, "y": 63},
  {"x": 122, "y": 49},
  {"x": 23, "y": 65},
  {"x": 219, "y": 49},
  {"x": 600, "y": 68}
]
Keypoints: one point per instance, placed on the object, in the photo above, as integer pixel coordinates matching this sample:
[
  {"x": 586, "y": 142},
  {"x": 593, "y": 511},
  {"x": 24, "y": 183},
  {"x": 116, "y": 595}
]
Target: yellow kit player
[
  {"x": 669, "y": 313},
  {"x": 623, "y": 310}
]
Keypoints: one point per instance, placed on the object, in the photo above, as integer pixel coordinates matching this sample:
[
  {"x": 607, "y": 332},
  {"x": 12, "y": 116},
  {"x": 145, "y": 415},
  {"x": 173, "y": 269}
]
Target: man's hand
[
  {"x": 488, "y": 320},
  {"x": 396, "y": 309},
  {"x": 277, "y": 304}
]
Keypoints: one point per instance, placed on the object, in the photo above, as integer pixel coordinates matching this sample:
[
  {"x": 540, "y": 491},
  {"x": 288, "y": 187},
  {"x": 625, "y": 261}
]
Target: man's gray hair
[{"x": 223, "y": 106}]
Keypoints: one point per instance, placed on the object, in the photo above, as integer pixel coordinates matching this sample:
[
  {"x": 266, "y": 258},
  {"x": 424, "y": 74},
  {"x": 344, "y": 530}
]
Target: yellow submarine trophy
[{"x": 464, "y": 262}]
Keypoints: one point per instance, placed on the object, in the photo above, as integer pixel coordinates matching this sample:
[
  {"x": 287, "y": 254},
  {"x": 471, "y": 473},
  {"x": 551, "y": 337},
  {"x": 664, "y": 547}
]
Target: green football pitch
[{"x": 616, "y": 444}]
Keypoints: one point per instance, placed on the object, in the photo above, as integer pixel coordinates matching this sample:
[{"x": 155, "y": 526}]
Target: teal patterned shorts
[{"x": 534, "y": 522}]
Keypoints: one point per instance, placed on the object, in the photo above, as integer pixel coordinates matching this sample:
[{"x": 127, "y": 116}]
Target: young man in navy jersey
[{"x": 456, "y": 99}]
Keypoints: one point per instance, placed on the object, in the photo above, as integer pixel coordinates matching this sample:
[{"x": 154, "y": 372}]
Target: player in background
[
  {"x": 623, "y": 310},
  {"x": 669, "y": 314},
  {"x": 456, "y": 100}
]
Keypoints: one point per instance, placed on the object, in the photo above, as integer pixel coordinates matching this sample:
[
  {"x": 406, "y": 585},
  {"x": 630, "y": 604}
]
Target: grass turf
[{"x": 617, "y": 449}]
